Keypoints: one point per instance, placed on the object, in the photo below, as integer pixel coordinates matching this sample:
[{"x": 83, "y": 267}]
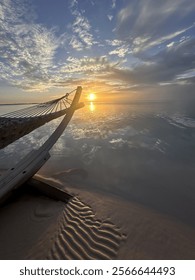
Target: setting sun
[{"x": 91, "y": 96}]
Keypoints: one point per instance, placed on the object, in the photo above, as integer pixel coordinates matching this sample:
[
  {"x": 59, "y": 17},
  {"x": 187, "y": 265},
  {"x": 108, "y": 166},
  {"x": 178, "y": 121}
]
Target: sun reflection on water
[{"x": 92, "y": 107}]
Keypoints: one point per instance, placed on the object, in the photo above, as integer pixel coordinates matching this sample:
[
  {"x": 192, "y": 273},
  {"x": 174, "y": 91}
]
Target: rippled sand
[{"x": 89, "y": 226}]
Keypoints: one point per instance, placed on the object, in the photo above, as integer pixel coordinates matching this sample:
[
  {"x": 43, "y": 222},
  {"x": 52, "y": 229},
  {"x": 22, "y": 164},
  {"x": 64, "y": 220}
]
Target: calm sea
[{"x": 142, "y": 152}]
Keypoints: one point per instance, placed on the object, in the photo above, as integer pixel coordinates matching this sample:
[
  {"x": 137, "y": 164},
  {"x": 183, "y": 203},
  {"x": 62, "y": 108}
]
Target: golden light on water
[
  {"x": 91, "y": 107},
  {"x": 91, "y": 97}
]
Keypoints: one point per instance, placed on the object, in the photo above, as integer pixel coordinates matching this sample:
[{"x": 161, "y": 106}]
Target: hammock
[
  {"x": 25, "y": 169},
  {"x": 16, "y": 124}
]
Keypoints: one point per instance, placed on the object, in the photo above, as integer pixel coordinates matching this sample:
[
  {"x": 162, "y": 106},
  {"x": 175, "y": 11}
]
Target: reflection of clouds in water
[
  {"x": 14, "y": 152},
  {"x": 180, "y": 121},
  {"x": 89, "y": 153},
  {"x": 185, "y": 121},
  {"x": 87, "y": 132},
  {"x": 122, "y": 137},
  {"x": 144, "y": 142},
  {"x": 106, "y": 134},
  {"x": 127, "y": 151},
  {"x": 122, "y": 128}
]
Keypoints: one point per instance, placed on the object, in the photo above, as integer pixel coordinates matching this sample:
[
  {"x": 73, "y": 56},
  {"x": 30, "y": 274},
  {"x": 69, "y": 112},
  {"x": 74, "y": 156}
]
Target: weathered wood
[
  {"x": 19, "y": 174},
  {"x": 47, "y": 189},
  {"x": 32, "y": 162}
]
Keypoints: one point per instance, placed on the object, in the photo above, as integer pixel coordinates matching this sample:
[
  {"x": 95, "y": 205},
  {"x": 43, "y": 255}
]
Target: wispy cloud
[
  {"x": 114, "y": 42},
  {"x": 121, "y": 51},
  {"x": 27, "y": 49},
  {"x": 113, "y": 4},
  {"x": 87, "y": 65},
  {"x": 73, "y": 3},
  {"x": 165, "y": 67},
  {"x": 110, "y": 17},
  {"x": 153, "y": 44},
  {"x": 76, "y": 44},
  {"x": 121, "y": 48},
  {"x": 82, "y": 36},
  {"x": 147, "y": 24},
  {"x": 81, "y": 30},
  {"x": 144, "y": 43}
]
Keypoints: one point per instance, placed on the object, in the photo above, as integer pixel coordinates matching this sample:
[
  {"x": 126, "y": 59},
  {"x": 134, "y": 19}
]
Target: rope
[
  {"x": 21, "y": 122},
  {"x": 42, "y": 109}
]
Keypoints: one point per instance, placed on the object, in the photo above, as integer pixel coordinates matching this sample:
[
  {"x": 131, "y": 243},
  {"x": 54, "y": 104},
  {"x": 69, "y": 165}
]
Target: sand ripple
[{"x": 82, "y": 236}]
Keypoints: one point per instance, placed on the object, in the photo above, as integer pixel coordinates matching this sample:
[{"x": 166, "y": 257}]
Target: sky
[{"x": 121, "y": 50}]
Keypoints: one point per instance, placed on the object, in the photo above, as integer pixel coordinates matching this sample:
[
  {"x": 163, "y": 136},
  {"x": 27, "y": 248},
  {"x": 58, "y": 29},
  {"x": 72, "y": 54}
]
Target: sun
[{"x": 91, "y": 96}]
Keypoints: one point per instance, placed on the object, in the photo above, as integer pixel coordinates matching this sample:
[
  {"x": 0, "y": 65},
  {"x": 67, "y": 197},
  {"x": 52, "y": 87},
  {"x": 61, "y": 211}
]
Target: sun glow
[{"x": 91, "y": 96}]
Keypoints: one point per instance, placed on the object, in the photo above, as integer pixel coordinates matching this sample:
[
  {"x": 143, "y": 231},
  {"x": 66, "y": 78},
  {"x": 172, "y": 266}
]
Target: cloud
[
  {"x": 155, "y": 46},
  {"x": 160, "y": 35},
  {"x": 73, "y": 3},
  {"x": 187, "y": 74},
  {"x": 27, "y": 49},
  {"x": 145, "y": 24},
  {"x": 172, "y": 65},
  {"x": 167, "y": 66},
  {"x": 120, "y": 51},
  {"x": 114, "y": 42},
  {"x": 170, "y": 44},
  {"x": 110, "y": 17},
  {"x": 87, "y": 65},
  {"x": 81, "y": 28},
  {"x": 142, "y": 44},
  {"x": 113, "y": 6},
  {"x": 82, "y": 37},
  {"x": 76, "y": 44}
]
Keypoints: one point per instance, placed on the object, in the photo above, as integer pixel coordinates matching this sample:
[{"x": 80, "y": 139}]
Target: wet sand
[{"x": 90, "y": 226}]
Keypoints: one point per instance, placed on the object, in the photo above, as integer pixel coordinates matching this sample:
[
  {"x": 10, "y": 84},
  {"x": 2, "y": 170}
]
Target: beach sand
[{"x": 90, "y": 226}]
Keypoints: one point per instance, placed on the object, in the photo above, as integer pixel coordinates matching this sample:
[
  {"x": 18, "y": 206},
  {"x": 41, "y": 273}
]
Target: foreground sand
[{"x": 90, "y": 226}]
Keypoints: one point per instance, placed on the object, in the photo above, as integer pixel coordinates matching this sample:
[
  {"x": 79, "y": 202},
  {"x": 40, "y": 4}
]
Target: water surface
[{"x": 142, "y": 152}]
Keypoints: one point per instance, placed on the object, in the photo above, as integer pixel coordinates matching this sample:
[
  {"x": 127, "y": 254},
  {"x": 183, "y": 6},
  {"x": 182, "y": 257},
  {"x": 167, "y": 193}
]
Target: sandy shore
[{"x": 89, "y": 226}]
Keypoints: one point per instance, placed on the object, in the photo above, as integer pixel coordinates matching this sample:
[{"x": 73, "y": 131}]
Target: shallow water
[{"x": 142, "y": 152}]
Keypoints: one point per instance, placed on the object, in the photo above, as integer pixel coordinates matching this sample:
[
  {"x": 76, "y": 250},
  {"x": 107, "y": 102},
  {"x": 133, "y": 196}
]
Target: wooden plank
[
  {"x": 14, "y": 179},
  {"x": 49, "y": 190}
]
